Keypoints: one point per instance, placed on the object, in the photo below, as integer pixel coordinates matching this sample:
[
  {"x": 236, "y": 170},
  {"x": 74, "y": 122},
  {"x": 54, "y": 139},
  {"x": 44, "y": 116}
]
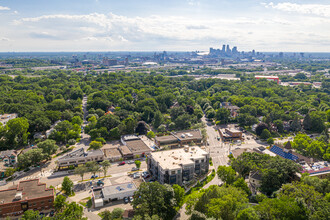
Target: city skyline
[{"x": 99, "y": 25}]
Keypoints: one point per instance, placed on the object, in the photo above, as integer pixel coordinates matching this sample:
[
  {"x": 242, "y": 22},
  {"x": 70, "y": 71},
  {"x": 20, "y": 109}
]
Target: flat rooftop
[
  {"x": 111, "y": 152},
  {"x": 30, "y": 189},
  {"x": 181, "y": 136},
  {"x": 80, "y": 153},
  {"x": 114, "y": 189},
  {"x": 137, "y": 146},
  {"x": 317, "y": 168},
  {"x": 125, "y": 150},
  {"x": 174, "y": 159}
]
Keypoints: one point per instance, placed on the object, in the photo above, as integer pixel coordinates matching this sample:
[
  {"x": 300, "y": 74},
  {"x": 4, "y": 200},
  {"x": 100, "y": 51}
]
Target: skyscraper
[
  {"x": 223, "y": 49},
  {"x": 228, "y": 51}
]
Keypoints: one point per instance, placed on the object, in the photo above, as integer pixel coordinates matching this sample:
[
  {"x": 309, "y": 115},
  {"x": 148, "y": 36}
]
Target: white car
[
  {"x": 136, "y": 175},
  {"x": 130, "y": 161}
]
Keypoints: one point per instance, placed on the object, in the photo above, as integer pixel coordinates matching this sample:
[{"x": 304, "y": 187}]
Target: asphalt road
[{"x": 218, "y": 150}]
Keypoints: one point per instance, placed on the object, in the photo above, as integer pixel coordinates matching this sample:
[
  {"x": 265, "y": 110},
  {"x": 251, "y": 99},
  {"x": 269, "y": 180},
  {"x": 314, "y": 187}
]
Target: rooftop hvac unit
[{"x": 18, "y": 196}]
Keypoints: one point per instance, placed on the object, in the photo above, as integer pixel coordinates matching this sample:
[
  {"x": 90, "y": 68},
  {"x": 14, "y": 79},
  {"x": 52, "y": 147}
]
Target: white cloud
[
  {"x": 311, "y": 9},
  {"x": 3, "y": 8},
  {"x": 4, "y": 39},
  {"x": 115, "y": 32}
]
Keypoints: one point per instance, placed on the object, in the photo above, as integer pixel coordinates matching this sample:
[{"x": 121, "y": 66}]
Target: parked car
[
  {"x": 125, "y": 200},
  {"x": 131, "y": 199},
  {"x": 100, "y": 183},
  {"x": 130, "y": 162},
  {"x": 136, "y": 175},
  {"x": 122, "y": 163},
  {"x": 93, "y": 177},
  {"x": 135, "y": 168}
]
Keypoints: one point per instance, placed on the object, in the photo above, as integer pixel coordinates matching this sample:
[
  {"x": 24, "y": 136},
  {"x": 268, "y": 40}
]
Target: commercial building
[
  {"x": 230, "y": 134},
  {"x": 106, "y": 194},
  {"x": 80, "y": 157},
  {"x": 269, "y": 78},
  {"x": 7, "y": 117},
  {"x": 180, "y": 138},
  {"x": 29, "y": 194},
  {"x": 133, "y": 146},
  {"x": 320, "y": 169},
  {"x": 178, "y": 166},
  {"x": 112, "y": 154}
]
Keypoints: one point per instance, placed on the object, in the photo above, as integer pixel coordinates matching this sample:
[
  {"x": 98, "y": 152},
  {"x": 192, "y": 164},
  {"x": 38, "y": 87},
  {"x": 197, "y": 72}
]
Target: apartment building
[{"x": 178, "y": 166}]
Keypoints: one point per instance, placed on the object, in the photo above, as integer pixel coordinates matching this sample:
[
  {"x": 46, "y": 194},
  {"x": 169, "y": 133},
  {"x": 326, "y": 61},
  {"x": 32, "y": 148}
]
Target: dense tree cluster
[{"x": 275, "y": 171}]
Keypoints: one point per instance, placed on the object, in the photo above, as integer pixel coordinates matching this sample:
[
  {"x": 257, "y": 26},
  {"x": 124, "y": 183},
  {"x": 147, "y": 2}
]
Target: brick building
[{"x": 29, "y": 194}]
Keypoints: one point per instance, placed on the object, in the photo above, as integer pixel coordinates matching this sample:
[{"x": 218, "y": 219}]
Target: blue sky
[{"x": 176, "y": 25}]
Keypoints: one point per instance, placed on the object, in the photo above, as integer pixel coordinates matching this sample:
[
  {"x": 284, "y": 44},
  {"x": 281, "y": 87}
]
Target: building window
[
  {"x": 202, "y": 161},
  {"x": 42, "y": 202},
  {"x": 179, "y": 171},
  {"x": 173, "y": 172},
  {"x": 50, "y": 200}
]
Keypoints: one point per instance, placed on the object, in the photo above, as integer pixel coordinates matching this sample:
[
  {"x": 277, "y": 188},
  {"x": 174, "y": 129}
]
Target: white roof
[
  {"x": 115, "y": 189},
  {"x": 175, "y": 159}
]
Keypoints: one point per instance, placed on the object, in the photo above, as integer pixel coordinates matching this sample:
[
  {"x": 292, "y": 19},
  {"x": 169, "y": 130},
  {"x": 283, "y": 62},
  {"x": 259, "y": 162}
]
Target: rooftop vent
[{"x": 18, "y": 196}]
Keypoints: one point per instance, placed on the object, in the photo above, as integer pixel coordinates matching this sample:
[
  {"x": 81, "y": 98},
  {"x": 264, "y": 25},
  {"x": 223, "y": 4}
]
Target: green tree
[
  {"x": 137, "y": 163},
  {"x": 48, "y": 147},
  {"x": 17, "y": 132},
  {"x": 93, "y": 167},
  {"x": 30, "y": 215},
  {"x": 81, "y": 171},
  {"x": 222, "y": 115},
  {"x": 71, "y": 211},
  {"x": 154, "y": 199},
  {"x": 76, "y": 120},
  {"x": 59, "y": 203},
  {"x": 307, "y": 122},
  {"x": 240, "y": 183},
  {"x": 106, "y": 215},
  {"x": 195, "y": 215},
  {"x": 226, "y": 174},
  {"x": 295, "y": 125},
  {"x": 95, "y": 145},
  {"x": 105, "y": 166},
  {"x": 158, "y": 119},
  {"x": 9, "y": 171},
  {"x": 117, "y": 213},
  {"x": 247, "y": 214},
  {"x": 179, "y": 193},
  {"x": 270, "y": 141},
  {"x": 67, "y": 186},
  {"x": 265, "y": 134},
  {"x": 151, "y": 134}
]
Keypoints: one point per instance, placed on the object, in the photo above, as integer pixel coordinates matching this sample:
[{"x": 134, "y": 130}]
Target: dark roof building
[
  {"x": 180, "y": 138},
  {"x": 26, "y": 195}
]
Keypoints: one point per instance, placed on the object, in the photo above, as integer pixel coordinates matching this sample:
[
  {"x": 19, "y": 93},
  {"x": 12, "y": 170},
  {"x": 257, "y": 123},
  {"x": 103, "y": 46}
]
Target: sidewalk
[{"x": 90, "y": 215}]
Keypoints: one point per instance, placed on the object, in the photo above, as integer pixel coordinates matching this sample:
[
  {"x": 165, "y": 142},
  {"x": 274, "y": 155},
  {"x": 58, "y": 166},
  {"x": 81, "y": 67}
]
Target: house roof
[
  {"x": 255, "y": 175},
  {"x": 288, "y": 145},
  {"x": 7, "y": 153}
]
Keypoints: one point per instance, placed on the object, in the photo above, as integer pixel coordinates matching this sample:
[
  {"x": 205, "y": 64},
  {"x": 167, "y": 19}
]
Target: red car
[{"x": 122, "y": 163}]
